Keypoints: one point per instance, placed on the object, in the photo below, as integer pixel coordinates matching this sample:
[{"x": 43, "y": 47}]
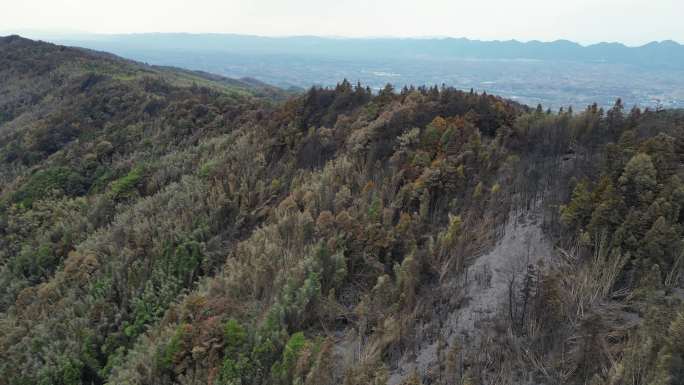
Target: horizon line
[{"x": 62, "y": 34}]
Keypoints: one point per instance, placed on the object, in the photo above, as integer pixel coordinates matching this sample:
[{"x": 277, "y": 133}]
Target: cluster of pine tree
[{"x": 159, "y": 227}]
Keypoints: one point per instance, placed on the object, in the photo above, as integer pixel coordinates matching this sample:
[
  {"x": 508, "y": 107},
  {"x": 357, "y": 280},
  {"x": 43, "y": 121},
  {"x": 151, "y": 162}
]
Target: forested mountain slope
[{"x": 165, "y": 227}]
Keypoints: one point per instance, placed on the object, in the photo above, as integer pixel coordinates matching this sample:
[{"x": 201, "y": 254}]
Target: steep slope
[
  {"x": 161, "y": 227},
  {"x": 484, "y": 289},
  {"x": 83, "y": 137}
]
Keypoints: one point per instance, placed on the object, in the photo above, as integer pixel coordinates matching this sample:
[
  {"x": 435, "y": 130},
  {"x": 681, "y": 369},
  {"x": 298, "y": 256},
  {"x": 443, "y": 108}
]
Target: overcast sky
[{"x": 587, "y": 21}]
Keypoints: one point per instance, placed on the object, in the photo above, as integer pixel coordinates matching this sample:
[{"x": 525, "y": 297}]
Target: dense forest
[{"x": 162, "y": 226}]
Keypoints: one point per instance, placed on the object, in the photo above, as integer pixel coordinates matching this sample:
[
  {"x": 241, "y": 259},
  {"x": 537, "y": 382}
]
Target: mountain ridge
[
  {"x": 555, "y": 74},
  {"x": 559, "y": 49},
  {"x": 157, "y": 227}
]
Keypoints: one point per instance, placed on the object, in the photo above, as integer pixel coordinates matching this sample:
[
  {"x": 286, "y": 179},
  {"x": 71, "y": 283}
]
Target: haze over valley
[
  {"x": 555, "y": 74},
  {"x": 233, "y": 209}
]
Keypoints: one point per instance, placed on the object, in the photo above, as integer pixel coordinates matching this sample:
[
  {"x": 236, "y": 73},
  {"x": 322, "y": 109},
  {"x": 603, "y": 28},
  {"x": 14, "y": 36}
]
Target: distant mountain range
[
  {"x": 555, "y": 74},
  {"x": 665, "y": 54},
  {"x": 171, "y": 227}
]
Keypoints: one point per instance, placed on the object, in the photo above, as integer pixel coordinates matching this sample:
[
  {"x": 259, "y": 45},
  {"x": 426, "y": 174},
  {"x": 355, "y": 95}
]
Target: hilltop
[{"x": 163, "y": 226}]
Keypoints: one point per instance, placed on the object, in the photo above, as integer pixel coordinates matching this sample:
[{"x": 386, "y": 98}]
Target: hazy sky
[{"x": 587, "y": 21}]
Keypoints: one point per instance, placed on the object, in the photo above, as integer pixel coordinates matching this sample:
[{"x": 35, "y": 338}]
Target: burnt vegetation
[{"x": 160, "y": 226}]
